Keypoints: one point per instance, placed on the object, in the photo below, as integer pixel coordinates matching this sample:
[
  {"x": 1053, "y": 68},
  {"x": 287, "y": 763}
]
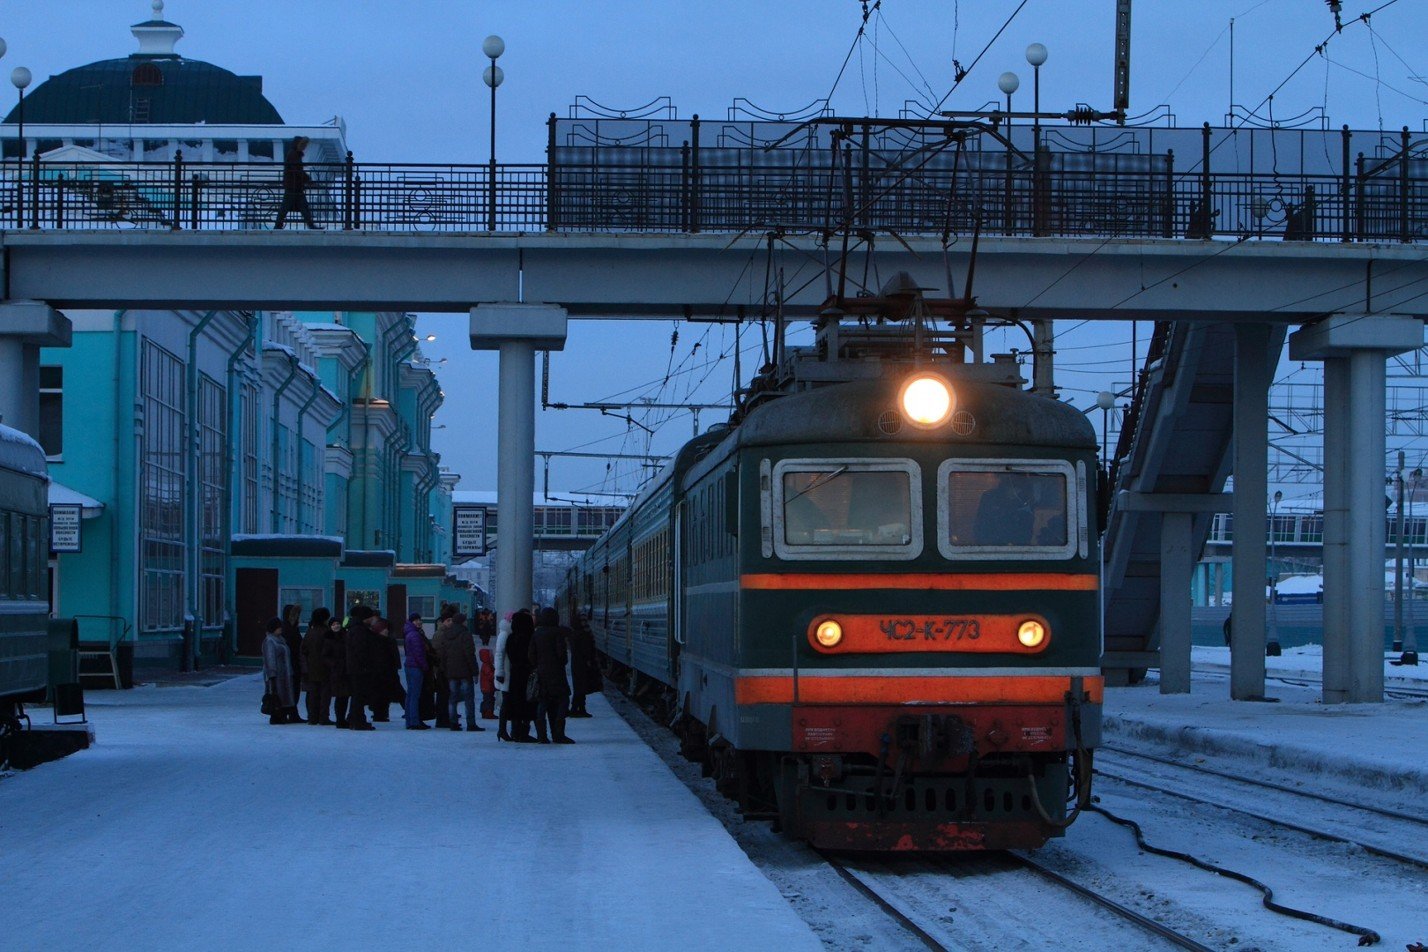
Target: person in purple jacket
[{"x": 417, "y": 666}]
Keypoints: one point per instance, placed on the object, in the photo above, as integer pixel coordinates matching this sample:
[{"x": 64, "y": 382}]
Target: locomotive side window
[
  {"x": 831, "y": 509},
  {"x": 1008, "y": 509}
]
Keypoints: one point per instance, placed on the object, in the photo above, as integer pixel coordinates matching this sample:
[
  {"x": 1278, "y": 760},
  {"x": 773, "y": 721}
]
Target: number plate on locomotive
[{"x": 880, "y": 634}]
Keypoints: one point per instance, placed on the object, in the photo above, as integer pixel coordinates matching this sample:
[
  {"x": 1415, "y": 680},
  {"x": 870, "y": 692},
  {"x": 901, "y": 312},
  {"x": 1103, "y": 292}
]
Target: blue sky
[{"x": 406, "y": 78}]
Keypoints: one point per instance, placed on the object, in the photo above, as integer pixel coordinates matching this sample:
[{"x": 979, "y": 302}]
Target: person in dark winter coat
[
  {"x": 295, "y": 183},
  {"x": 457, "y": 650},
  {"x": 292, "y": 634},
  {"x": 516, "y": 705},
  {"x": 549, "y": 653},
  {"x": 334, "y": 656},
  {"x": 277, "y": 675},
  {"x": 316, "y": 677},
  {"x": 416, "y": 669},
  {"x": 364, "y": 667},
  {"x": 392, "y": 691},
  {"x": 584, "y": 667}
]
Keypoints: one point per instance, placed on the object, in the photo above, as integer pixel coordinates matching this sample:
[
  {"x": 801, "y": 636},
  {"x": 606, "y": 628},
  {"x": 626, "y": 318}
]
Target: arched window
[{"x": 147, "y": 74}]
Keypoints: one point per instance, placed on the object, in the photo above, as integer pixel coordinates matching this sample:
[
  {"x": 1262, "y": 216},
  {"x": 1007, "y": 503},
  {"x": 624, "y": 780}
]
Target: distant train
[
  {"x": 870, "y": 606},
  {"x": 24, "y": 575}
]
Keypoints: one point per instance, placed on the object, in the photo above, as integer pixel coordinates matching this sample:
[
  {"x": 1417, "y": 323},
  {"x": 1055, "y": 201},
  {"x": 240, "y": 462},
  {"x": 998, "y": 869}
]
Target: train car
[
  {"x": 870, "y": 606},
  {"x": 24, "y": 575}
]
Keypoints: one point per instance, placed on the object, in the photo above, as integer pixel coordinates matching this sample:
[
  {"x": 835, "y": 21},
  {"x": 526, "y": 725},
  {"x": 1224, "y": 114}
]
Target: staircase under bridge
[{"x": 1176, "y": 442}]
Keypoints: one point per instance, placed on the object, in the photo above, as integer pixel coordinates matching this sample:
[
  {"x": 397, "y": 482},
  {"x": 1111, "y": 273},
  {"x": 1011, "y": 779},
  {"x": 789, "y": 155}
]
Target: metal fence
[{"x": 749, "y": 180}]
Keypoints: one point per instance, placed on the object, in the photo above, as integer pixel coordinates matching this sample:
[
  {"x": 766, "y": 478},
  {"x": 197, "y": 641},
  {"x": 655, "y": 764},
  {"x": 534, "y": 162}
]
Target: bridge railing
[{"x": 1053, "y": 194}]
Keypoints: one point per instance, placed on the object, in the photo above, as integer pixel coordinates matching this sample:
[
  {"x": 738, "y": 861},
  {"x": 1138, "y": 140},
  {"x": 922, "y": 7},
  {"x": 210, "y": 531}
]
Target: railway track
[
  {"x": 900, "y": 890},
  {"x": 1375, "y": 830}
]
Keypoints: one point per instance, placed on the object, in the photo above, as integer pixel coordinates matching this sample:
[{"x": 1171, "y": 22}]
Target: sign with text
[
  {"x": 469, "y": 531},
  {"x": 64, "y": 528}
]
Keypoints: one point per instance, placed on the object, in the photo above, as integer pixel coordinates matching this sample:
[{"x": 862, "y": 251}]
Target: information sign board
[
  {"x": 64, "y": 528},
  {"x": 469, "y": 531}
]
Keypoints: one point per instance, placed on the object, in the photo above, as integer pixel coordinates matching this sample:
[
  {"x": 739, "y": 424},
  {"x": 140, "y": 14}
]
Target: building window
[
  {"x": 425, "y": 604},
  {"x": 307, "y": 599},
  {"x": 213, "y": 439},
  {"x": 251, "y": 429},
  {"x": 147, "y": 74},
  {"x": 161, "y": 490},
  {"x": 52, "y": 411},
  {"x": 140, "y": 110}
]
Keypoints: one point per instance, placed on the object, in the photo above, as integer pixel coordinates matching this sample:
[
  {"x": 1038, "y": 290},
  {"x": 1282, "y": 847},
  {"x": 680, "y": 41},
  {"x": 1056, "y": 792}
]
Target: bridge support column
[
  {"x": 516, "y": 331},
  {"x": 1176, "y": 566},
  {"x": 1353, "y": 348},
  {"x": 25, "y": 327},
  {"x": 1253, "y": 370}
]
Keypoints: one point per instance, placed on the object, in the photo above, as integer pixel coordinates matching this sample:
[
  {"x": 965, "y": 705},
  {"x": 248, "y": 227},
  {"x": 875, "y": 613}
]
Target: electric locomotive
[
  {"x": 870, "y": 604},
  {"x": 24, "y": 559}
]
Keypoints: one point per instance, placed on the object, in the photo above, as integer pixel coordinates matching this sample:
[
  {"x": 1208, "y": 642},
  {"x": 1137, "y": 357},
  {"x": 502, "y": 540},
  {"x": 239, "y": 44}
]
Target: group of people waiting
[{"x": 352, "y": 667}]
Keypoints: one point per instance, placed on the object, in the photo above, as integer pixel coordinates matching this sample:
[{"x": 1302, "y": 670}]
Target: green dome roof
[{"x": 149, "y": 89}]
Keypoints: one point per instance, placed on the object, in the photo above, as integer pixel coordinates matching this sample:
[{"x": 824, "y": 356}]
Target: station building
[{"x": 226, "y": 463}]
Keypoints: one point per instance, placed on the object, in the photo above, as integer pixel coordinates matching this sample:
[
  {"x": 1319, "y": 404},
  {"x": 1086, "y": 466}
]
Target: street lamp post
[
  {"x": 20, "y": 78},
  {"x": 1036, "y": 55},
  {"x": 1398, "y": 558},
  {"x": 1271, "y": 648},
  {"x": 493, "y": 46},
  {"x": 1008, "y": 82}
]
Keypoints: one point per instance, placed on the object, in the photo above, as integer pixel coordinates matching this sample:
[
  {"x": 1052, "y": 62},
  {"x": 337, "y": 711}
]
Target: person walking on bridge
[{"x": 295, "y": 183}]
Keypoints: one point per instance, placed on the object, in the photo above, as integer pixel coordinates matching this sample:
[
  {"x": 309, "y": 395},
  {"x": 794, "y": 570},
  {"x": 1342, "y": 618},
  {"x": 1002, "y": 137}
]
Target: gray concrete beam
[
  {"x": 1174, "y": 502},
  {"x": 665, "y": 276},
  {"x": 25, "y": 327}
]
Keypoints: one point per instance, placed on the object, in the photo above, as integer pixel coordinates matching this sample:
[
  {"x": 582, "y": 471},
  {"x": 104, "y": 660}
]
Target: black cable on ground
[{"x": 1366, "y": 936}]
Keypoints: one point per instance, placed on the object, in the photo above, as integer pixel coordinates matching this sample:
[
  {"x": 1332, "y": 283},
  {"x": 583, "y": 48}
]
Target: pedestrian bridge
[{"x": 1242, "y": 230}]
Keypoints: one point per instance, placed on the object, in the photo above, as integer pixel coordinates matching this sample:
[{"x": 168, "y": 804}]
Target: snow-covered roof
[
  {"x": 18, "y": 451},
  {"x": 62, "y": 495}
]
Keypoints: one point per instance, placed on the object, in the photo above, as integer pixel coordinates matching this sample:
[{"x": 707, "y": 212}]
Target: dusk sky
[{"x": 406, "y": 79}]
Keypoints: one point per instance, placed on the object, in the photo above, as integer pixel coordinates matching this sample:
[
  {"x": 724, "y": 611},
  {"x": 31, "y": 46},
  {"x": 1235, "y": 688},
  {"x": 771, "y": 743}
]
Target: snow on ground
[
  {"x": 195, "y": 824},
  {"x": 1372, "y": 749}
]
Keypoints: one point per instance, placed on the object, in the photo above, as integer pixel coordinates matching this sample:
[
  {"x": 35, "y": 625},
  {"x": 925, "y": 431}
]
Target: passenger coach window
[
  {"x": 1007, "y": 509},
  {"x": 828, "y": 509}
]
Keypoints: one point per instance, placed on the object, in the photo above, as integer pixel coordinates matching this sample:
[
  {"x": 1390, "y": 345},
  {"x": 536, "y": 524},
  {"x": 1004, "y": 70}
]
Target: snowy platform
[
  {"x": 194, "y": 824},
  {"x": 1374, "y": 746}
]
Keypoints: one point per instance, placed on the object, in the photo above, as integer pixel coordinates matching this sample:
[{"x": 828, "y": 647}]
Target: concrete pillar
[
  {"x": 25, "y": 327},
  {"x": 1336, "y": 534},
  {"x": 1251, "y": 463},
  {"x": 1354, "y": 348},
  {"x": 517, "y": 331},
  {"x": 1366, "y": 529},
  {"x": 515, "y": 475},
  {"x": 1176, "y": 566}
]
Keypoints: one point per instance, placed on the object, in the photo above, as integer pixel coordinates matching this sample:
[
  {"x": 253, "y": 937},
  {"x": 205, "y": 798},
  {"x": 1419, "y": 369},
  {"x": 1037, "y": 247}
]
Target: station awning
[{"x": 62, "y": 495}]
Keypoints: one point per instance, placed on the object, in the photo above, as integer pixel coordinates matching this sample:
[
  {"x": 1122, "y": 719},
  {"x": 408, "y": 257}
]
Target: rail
[{"x": 1051, "y": 195}]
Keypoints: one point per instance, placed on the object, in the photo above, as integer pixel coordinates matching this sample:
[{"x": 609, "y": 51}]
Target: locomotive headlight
[
  {"x": 1031, "y": 633},
  {"x": 828, "y": 633},
  {"x": 927, "y": 400}
]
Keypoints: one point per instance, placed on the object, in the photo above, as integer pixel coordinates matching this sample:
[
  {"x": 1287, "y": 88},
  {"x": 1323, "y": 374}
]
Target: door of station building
[
  {"x": 396, "y": 607},
  {"x": 255, "y": 600}
]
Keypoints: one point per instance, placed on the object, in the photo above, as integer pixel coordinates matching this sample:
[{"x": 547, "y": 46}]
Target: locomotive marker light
[
  {"x": 1031, "y": 633},
  {"x": 829, "y": 633},
  {"x": 927, "y": 400}
]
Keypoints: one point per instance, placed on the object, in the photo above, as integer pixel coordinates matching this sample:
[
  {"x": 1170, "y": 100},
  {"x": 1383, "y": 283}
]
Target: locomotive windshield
[
  {"x": 826, "y": 506},
  {"x": 995, "y": 508}
]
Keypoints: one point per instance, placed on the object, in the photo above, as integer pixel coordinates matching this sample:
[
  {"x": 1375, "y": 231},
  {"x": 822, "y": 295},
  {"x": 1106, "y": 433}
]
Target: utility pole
[{"x": 1120, "y": 102}]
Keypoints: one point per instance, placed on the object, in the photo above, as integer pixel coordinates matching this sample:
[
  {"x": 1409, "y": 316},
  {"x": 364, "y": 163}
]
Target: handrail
[
  {"x": 123, "y": 631},
  {"x": 1138, "y": 196}
]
